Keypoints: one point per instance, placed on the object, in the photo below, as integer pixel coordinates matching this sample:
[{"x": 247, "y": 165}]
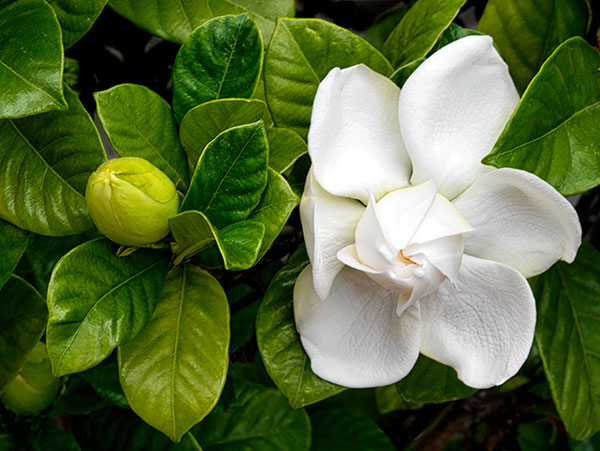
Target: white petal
[
  {"x": 401, "y": 212},
  {"x": 371, "y": 245},
  {"x": 354, "y": 337},
  {"x": 483, "y": 325},
  {"x": 442, "y": 220},
  {"x": 453, "y": 109},
  {"x": 328, "y": 223},
  {"x": 519, "y": 220},
  {"x": 354, "y": 139},
  {"x": 444, "y": 253},
  {"x": 397, "y": 277}
]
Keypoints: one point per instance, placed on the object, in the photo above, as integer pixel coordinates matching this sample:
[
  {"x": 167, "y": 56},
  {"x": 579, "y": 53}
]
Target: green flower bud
[
  {"x": 130, "y": 201},
  {"x": 34, "y": 387}
]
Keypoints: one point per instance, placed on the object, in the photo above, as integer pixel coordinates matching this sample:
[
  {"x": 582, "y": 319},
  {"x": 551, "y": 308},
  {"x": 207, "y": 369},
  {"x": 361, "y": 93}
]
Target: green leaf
[
  {"x": 13, "y": 242},
  {"x": 76, "y": 17},
  {"x": 259, "y": 419},
  {"x": 44, "y": 252},
  {"x": 174, "y": 371},
  {"x": 419, "y": 30},
  {"x": 454, "y": 33},
  {"x": 568, "y": 338},
  {"x": 402, "y": 73},
  {"x": 341, "y": 430},
  {"x": 378, "y": 33},
  {"x": 174, "y": 20},
  {"x": 285, "y": 147},
  {"x": 301, "y": 53},
  {"x": 527, "y": 31},
  {"x": 430, "y": 381},
  {"x": 539, "y": 435},
  {"x": 98, "y": 301},
  {"x": 238, "y": 243},
  {"x": 242, "y": 325},
  {"x": 553, "y": 132},
  {"x": 78, "y": 398},
  {"x": 47, "y": 436},
  {"x": 104, "y": 378},
  {"x": 45, "y": 162},
  {"x": 389, "y": 400},
  {"x": 205, "y": 122},
  {"x": 121, "y": 430},
  {"x": 221, "y": 59},
  {"x": 275, "y": 207},
  {"x": 31, "y": 59},
  {"x": 22, "y": 323},
  {"x": 230, "y": 176},
  {"x": 279, "y": 342},
  {"x": 139, "y": 123}
]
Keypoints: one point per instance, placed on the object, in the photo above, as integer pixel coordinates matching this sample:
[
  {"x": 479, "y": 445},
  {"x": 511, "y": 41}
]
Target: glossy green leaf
[
  {"x": 389, "y": 400},
  {"x": 454, "y": 33},
  {"x": 104, "y": 378},
  {"x": 122, "y": 430},
  {"x": 22, "y": 322},
  {"x": 430, "y": 381},
  {"x": 554, "y": 132},
  {"x": 301, "y": 53},
  {"x": 76, "y": 17},
  {"x": 527, "y": 31},
  {"x": 285, "y": 147},
  {"x": 31, "y": 59},
  {"x": 238, "y": 244},
  {"x": 221, "y": 59},
  {"x": 279, "y": 343},
  {"x": 419, "y": 30},
  {"x": 242, "y": 325},
  {"x": 379, "y": 32},
  {"x": 78, "y": 398},
  {"x": 205, "y": 122},
  {"x": 258, "y": 419},
  {"x": 275, "y": 207},
  {"x": 140, "y": 123},
  {"x": 174, "y": 20},
  {"x": 45, "y": 162},
  {"x": 98, "y": 301},
  {"x": 44, "y": 252},
  {"x": 230, "y": 175},
  {"x": 173, "y": 372},
  {"x": 568, "y": 338},
  {"x": 13, "y": 242},
  {"x": 344, "y": 430},
  {"x": 401, "y": 75}
]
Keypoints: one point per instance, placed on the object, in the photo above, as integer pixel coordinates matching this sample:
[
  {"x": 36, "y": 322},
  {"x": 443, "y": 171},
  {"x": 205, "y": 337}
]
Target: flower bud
[
  {"x": 34, "y": 387},
  {"x": 130, "y": 201}
]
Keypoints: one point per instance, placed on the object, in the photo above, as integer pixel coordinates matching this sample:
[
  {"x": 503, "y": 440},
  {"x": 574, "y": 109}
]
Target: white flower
[{"x": 415, "y": 246}]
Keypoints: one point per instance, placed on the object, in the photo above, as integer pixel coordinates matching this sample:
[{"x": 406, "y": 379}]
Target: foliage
[{"x": 190, "y": 343}]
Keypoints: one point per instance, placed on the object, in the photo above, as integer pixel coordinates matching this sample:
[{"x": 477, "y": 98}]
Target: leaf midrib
[
  {"x": 37, "y": 88},
  {"x": 46, "y": 164},
  {"x": 119, "y": 285},
  {"x": 569, "y": 297},
  {"x": 235, "y": 41},
  {"x": 246, "y": 144},
  {"x": 550, "y": 132}
]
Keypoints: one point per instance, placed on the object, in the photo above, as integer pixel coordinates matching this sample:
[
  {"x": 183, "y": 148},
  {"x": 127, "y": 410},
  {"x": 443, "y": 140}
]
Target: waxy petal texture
[
  {"x": 354, "y": 337},
  {"x": 519, "y": 220},
  {"x": 354, "y": 140},
  {"x": 451, "y": 111},
  {"x": 328, "y": 223},
  {"x": 482, "y": 325}
]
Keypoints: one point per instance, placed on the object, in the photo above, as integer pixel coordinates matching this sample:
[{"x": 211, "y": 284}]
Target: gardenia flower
[{"x": 415, "y": 246}]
